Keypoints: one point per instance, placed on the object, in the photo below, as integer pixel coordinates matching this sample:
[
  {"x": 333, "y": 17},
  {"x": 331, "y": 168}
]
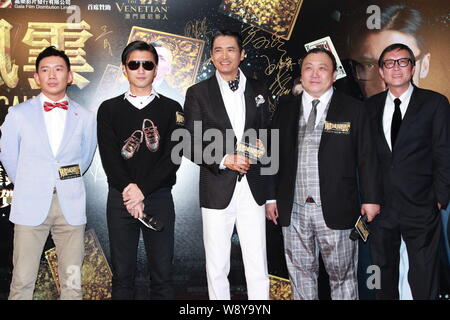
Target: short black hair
[
  {"x": 319, "y": 50},
  {"x": 395, "y": 47},
  {"x": 229, "y": 33},
  {"x": 50, "y": 52},
  {"x": 140, "y": 46}
]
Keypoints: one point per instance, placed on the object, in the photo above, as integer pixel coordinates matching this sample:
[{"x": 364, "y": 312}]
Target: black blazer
[
  {"x": 416, "y": 175},
  {"x": 204, "y": 103},
  {"x": 342, "y": 158}
]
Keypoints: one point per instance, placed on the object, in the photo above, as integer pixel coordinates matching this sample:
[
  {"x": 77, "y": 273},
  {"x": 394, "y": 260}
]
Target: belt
[{"x": 310, "y": 200}]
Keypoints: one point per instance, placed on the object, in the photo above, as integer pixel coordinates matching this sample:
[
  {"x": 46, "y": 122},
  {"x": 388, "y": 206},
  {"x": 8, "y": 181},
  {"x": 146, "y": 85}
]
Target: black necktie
[
  {"x": 396, "y": 122},
  {"x": 234, "y": 84}
]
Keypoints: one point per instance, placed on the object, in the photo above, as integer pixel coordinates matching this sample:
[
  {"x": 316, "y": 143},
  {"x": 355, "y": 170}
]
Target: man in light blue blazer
[{"x": 47, "y": 143}]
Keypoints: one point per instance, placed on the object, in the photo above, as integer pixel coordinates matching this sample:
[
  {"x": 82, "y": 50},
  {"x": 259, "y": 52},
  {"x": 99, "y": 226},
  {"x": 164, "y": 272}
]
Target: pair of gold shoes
[{"x": 149, "y": 133}]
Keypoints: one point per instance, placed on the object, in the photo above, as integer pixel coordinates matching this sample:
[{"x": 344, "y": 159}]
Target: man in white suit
[{"x": 47, "y": 143}]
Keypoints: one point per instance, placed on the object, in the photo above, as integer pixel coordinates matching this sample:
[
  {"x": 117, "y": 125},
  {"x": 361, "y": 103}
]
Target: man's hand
[
  {"x": 371, "y": 210},
  {"x": 272, "y": 212},
  {"x": 137, "y": 211},
  {"x": 439, "y": 206},
  {"x": 237, "y": 162},
  {"x": 132, "y": 195}
]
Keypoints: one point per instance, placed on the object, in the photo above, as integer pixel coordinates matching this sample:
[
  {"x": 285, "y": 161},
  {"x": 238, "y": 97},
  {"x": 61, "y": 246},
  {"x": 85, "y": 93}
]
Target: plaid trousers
[{"x": 308, "y": 235}]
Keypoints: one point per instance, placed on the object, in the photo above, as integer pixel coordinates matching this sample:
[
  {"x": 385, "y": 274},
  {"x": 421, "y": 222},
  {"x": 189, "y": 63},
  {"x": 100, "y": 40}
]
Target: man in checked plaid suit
[{"x": 327, "y": 165}]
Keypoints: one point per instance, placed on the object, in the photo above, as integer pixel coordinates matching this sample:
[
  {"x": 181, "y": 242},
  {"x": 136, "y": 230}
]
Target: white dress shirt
[
  {"x": 235, "y": 105},
  {"x": 234, "y": 102},
  {"x": 140, "y": 101},
  {"x": 389, "y": 109},
  {"x": 55, "y": 122},
  {"x": 307, "y": 100}
]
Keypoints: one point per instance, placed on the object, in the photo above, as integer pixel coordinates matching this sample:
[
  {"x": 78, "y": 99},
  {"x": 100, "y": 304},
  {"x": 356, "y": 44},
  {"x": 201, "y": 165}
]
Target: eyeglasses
[
  {"x": 135, "y": 64},
  {"x": 402, "y": 62}
]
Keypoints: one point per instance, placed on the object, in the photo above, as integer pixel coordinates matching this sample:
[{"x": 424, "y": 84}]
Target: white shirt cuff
[
  {"x": 271, "y": 201},
  {"x": 221, "y": 166}
]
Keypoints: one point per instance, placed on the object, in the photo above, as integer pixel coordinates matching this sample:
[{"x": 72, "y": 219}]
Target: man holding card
[
  {"x": 232, "y": 189},
  {"x": 47, "y": 143},
  {"x": 327, "y": 165}
]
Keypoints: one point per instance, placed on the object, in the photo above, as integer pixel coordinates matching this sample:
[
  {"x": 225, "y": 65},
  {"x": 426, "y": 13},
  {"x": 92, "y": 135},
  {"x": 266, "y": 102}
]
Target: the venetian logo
[{"x": 144, "y": 9}]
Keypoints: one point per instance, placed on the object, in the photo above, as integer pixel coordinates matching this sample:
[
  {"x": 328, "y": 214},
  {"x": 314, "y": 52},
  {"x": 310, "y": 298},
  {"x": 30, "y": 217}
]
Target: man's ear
[
  {"x": 243, "y": 55},
  {"x": 70, "y": 79},
  {"x": 36, "y": 78},
  {"x": 334, "y": 76},
  {"x": 425, "y": 66}
]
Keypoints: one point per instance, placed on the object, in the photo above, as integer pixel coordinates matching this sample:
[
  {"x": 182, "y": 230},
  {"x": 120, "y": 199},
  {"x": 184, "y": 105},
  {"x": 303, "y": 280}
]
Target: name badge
[
  {"x": 337, "y": 127},
  {"x": 69, "y": 172},
  {"x": 179, "y": 118}
]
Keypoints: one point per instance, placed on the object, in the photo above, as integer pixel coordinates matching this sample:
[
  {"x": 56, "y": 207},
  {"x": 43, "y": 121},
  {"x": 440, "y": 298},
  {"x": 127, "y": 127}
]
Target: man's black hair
[
  {"x": 395, "y": 47},
  {"x": 320, "y": 50},
  {"x": 230, "y": 33},
  {"x": 140, "y": 46},
  {"x": 50, "y": 52}
]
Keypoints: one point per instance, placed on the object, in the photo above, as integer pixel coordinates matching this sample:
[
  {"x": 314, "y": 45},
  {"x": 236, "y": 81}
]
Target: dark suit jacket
[
  {"x": 416, "y": 175},
  {"x": 204, "y": 103},
  {"x": 342, "y": 158}
]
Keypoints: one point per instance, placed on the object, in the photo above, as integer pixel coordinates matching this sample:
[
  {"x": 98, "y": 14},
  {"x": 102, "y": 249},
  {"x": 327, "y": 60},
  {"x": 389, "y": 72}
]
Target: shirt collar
[
  {"x": 405, "y": 95},
  {"x": 224, "y": 84},
  {"x": 323, "y": 98},
  {"x": 128, "y": 95},
  {"x": 43, "y": 98}
]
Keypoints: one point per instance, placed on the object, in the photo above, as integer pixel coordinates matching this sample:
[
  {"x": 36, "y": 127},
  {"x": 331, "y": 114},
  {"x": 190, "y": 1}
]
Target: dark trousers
[
  {"x": 124, "y": 231},
  {"x": 421, "y": 236}
]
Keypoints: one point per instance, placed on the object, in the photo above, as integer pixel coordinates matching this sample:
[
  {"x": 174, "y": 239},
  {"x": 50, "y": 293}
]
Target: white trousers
[{"x": 218, "y": 228}]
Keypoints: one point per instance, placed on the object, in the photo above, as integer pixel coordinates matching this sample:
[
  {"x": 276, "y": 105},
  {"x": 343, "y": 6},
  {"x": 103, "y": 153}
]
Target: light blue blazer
[{"x": 28, "y": 159}]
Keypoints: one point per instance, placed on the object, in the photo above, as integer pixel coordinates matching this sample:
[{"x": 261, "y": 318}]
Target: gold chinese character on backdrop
[
  {"x": 8, "y": 70},
  {"x": 69, "y": 37}
]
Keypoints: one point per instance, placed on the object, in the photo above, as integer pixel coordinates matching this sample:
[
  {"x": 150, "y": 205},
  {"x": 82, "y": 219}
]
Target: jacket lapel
[
  {"x": 298, "y": 107},
  {"x": 215, "y": 97},
  {"x": 71, "y": 124},
  {"x": 411, "y": 112},
  {"x": 333, "y": 111},
  {"x": 250, "y": 105},
  {"x": 379, "y": 104},
  {"x": 293, "y": 124},
  {"x": 40, "y": 126}
]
